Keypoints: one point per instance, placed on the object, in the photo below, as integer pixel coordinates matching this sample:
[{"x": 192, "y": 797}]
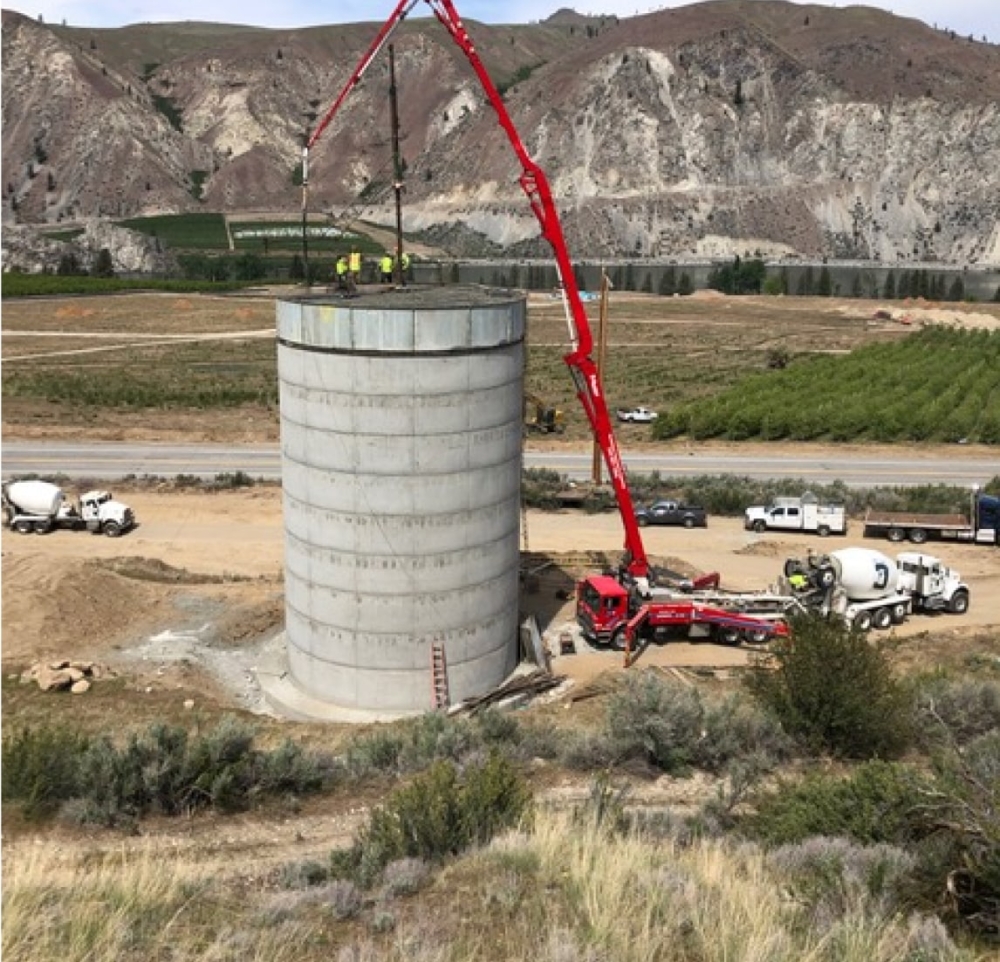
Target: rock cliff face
[{"x": 735, "y": 126}]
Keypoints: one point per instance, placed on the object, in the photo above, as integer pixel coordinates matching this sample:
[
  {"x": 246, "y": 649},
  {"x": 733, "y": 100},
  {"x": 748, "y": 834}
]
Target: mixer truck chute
[{"x": 40, "y": 507}]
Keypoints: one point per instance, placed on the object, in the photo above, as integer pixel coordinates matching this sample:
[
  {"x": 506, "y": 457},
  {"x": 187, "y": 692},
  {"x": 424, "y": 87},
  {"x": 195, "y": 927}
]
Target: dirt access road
[{"x": 192, "y": 598}]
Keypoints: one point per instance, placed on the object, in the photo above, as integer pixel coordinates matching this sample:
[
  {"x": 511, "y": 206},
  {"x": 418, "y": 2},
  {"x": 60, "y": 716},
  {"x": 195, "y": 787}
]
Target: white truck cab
[
  {"x": 100, "y": 512},
  {"x": 933, "y": 586}
]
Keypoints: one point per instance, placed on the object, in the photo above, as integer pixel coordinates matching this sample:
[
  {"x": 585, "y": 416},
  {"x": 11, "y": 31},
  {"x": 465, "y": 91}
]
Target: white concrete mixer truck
[
  {"x": 871, "y": 590},
  {"x": 41, "y": 507}
]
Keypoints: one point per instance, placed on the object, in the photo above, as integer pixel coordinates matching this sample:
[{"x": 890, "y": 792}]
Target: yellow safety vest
[
  {"x": 342, "y": 266},
  {"x": 356, "y": 262},
  {"x": 386, "y": 264}
]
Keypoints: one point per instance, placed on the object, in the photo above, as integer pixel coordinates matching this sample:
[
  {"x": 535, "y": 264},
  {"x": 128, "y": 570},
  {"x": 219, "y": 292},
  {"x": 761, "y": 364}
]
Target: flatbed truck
[{"x": 981, "y": 526}]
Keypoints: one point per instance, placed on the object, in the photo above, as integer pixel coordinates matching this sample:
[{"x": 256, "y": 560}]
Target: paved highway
[{"x": 116, "y": 460}]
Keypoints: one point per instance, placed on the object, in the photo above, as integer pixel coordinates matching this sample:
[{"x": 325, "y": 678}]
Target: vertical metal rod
[
  {"x": 305, "y": 207},
  {"x": 397, "y": 170},
  {"x": 602, "y": 343}
]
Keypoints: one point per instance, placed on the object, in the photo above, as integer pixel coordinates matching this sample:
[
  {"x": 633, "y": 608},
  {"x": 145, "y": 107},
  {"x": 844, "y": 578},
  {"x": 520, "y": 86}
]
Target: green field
[
  {"x": 184, "y": 231},
  {"x": 940, "y": 384},
  {"x": 705, "y": 364}
]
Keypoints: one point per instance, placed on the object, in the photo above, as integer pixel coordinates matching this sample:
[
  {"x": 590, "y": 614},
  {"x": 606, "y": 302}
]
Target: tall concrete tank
[{"x": 401, "y": 421}]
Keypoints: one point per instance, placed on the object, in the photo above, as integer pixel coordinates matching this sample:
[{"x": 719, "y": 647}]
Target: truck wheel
[
  {"x": 918, "y": 535},
  {"x": 23, "y": 527},
  {"x": 756, "y": 636},
  {"x": 895, "y": 535},
  {"x": 899, "y": 613},
  {"x": 882, "y": 619},
  {"x": 759, "y": 527},
  {"x": 642, "y": 521},
  {"x": 825, "y": 577},
  {"x": 43, "y": 527},
  {"x": 112, "y": 529},
  {"x": 618, "y": 640},
  {"x": 823, "y": 530},
  {"x": 959, "y": 603},
  {"x": 688, "y": 522},
  {"x": 726, "y": 636},
  {"x": 862, "y": 621}
]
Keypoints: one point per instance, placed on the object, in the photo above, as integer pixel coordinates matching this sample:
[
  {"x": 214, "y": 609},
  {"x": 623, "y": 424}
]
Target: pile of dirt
[
  {"x": 767, "y": 549},
  {"x": 69, "y": 608},
  {"x": 153, "y": 569}
]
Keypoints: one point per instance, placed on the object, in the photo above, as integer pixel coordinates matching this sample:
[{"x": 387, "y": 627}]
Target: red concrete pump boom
[{"x": 535, "y": 185}]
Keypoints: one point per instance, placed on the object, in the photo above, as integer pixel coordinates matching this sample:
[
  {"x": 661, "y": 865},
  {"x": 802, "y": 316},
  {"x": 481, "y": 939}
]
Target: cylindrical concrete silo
[{"x": 401, "y": 421}]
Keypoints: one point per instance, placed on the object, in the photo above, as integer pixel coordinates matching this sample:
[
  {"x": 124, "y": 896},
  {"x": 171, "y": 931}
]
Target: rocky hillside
[{"x": 734, "y": 126}]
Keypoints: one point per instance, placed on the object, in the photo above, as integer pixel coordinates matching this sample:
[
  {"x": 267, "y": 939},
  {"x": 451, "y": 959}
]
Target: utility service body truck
[
  {"x": 601, "y": 600},
  {"x": 797, "y": 514},
  {"x": 982, "y": 526},
  {"x": 871, "y": 590},
  {"x": 41, "y": 507}
]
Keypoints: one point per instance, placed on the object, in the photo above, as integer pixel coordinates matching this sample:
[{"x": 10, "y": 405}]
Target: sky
[{"x": 976, "y": 17}]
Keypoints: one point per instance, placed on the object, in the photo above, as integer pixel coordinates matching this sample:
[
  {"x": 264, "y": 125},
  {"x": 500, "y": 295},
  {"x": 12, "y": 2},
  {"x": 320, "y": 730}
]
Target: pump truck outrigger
[{"x": 633, "y": 576}]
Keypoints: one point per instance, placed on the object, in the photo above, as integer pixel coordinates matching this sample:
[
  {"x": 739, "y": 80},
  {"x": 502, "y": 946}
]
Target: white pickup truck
[
  {"x": 797, "y": 514},
  {"x": 637, "y": 415}
]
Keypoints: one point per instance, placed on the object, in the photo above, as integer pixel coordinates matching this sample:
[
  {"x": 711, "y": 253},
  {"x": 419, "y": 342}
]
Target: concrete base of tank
[{"x": 288, "y": 700}]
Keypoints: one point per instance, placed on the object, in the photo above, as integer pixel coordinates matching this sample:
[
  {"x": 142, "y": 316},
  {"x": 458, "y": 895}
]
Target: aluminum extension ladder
[{"x": 439, "y": 677}]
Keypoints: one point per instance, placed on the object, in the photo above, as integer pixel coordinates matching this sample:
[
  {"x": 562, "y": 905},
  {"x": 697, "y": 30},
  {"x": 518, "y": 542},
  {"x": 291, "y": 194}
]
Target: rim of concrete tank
[{"x": 452, "y": 296}]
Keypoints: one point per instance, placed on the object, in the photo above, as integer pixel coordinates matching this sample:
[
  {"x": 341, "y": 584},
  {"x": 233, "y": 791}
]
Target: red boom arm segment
[{"x": 534, "y": 183}]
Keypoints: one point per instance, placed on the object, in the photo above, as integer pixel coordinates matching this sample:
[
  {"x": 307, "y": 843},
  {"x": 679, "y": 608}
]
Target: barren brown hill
[{"x": 763, "y": 128}]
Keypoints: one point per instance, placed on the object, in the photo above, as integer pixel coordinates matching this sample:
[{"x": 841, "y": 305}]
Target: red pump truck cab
[{"x": 610, "y": 615}]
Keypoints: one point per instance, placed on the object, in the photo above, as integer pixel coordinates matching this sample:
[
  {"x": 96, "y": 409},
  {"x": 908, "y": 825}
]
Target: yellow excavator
[{"x": 541, "y": 417}]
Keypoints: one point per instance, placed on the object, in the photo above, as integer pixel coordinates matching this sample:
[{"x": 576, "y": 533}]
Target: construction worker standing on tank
[
  {"x": 341, "y": 270},
  {"x": 385, "y": 266},
  {"x": 354, "y": 263}
]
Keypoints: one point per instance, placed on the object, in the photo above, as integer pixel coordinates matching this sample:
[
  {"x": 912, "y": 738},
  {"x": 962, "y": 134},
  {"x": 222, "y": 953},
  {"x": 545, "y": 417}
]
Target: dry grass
[{"x": 564, "y": 893}]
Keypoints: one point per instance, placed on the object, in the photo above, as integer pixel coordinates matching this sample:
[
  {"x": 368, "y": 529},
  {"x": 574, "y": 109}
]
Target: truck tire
[
  {"x": 23, "y": 527},
  {"x": 882, "y": 619},
  {"x": 618, "y": 639},
  {"x": 688, "y": 522},
  {"x": 899, "y": 612},
  {"x": 112, "y": 529},
  {"x": 918, "y": 535},
  {"x": 759, "y": 527},
  {"x": 642, "y": 521},
  {"x": 725, "y": 635},
  {"x": 959, "y": 603},
  {"x": 862, "y": 621},
  {"x": 896, "y": 535},
  {"x": 825, "y": 577},
  {"x": 43, "y": 527},
  {"x": 756, "y": 636},
  {"x": 823, "y": 530}
]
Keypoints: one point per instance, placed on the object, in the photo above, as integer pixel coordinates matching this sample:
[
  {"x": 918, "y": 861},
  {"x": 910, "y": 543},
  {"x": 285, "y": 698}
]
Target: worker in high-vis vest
[
  {"x": 341, "y": 270},
  {"x": 404, "y": 262},
  {"x": 385, "y": 266},
  {"x": 354, "y": 263}
]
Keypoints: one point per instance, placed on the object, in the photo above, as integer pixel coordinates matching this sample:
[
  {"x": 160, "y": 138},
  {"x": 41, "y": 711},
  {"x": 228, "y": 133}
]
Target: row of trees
[
  {"x": 939, "y": 384},
  {"x": 751, "y": 277}
]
